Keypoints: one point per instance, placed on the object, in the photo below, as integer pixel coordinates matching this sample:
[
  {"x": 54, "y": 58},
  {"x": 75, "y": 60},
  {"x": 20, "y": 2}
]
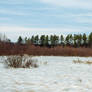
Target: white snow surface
[{"x": 60, "y": 74}]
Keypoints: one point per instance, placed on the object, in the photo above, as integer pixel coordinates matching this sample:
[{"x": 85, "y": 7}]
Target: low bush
[
  {"x": 77, "y": 61},
  {"x": 82, "y": 62},
  {"x": 21, "y": 62}
]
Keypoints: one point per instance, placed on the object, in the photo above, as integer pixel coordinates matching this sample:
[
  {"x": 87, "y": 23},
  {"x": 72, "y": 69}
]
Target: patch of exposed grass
[{"x": 82, "y": 62}]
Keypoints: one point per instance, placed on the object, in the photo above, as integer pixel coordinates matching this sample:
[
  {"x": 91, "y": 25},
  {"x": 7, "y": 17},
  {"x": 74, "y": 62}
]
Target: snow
[{"x": 60, "y": 74}]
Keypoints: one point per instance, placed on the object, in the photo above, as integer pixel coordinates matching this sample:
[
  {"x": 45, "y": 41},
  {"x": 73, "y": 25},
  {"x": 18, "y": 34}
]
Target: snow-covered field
[{"x": 60, "y": 74}]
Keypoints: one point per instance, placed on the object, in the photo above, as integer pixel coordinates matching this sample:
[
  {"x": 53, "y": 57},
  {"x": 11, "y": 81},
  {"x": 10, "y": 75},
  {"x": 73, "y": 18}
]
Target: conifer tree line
[{"x": 76, "y": 40}]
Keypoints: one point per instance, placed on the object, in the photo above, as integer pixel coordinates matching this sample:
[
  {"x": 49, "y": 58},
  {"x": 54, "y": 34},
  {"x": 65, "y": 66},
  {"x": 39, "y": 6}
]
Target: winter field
[{"x": 54, "y": 74}]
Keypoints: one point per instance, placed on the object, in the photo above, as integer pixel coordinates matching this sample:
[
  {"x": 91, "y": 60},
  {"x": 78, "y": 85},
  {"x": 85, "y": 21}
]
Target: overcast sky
[{"x": 32, "y": 17}]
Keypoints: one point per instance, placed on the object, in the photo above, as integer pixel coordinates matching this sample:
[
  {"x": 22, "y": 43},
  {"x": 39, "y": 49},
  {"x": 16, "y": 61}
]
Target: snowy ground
[{"x": 60, "y": 74}]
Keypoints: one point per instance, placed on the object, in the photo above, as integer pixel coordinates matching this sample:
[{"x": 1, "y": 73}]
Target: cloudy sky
[{"x": 32, "y": 17}]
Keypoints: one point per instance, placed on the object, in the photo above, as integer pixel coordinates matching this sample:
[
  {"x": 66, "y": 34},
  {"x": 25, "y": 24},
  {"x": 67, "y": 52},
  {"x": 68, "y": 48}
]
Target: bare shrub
[
  {"x": 77, "y": 61},
  {"x": 20, "y": 62},
  {"x": 89, "y": 62},
  {"x": 82, "y": 62},
  {"x": 45, "y": 63}
]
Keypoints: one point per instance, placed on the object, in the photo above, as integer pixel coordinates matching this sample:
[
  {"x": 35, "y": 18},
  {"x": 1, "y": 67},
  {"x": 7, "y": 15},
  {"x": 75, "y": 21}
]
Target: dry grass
[
  {"x": 18, "y": 49},
  {"x": 88, "y": 62},
  {"x": 23, "y": 91},
  {"x": 82, "y": 62},
  {"x": 20, "y": 62}
]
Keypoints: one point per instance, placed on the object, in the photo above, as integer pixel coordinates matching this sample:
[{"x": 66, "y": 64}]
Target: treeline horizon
[
  {"x": 72, "y": 40},
  {"x": 44, "y": 45},
  {"x": 76, "y": 40}
]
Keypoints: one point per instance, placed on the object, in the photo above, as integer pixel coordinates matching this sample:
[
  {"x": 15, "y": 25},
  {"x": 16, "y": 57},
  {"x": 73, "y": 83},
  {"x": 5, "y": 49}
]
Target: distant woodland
[{"x": 69, "y": 45}]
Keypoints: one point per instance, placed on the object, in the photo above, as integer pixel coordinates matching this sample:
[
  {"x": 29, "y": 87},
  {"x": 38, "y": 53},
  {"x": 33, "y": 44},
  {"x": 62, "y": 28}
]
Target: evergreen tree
[
  {"x": 52, "y": 40},
  {"x": 33, "y": 40},
  {"x": 36, "y": 38},
  {"x": 20, "y": 40},
  {"x": 67, "y": 40},
  {"x": 90, "y": 40},
  {"x": 84, "y": 40},
  {"x": 25, "y": 40},
  {"x": 79, "y": 40},
  {"x": 75, "y": 40},
  {"x": 47, "y": 40},
  {"x": 55, "y": 40},
  {"x": 62, "y": 40},
  {"x": 71, "y": 41},
  {"x": 43, "y": 40}
]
